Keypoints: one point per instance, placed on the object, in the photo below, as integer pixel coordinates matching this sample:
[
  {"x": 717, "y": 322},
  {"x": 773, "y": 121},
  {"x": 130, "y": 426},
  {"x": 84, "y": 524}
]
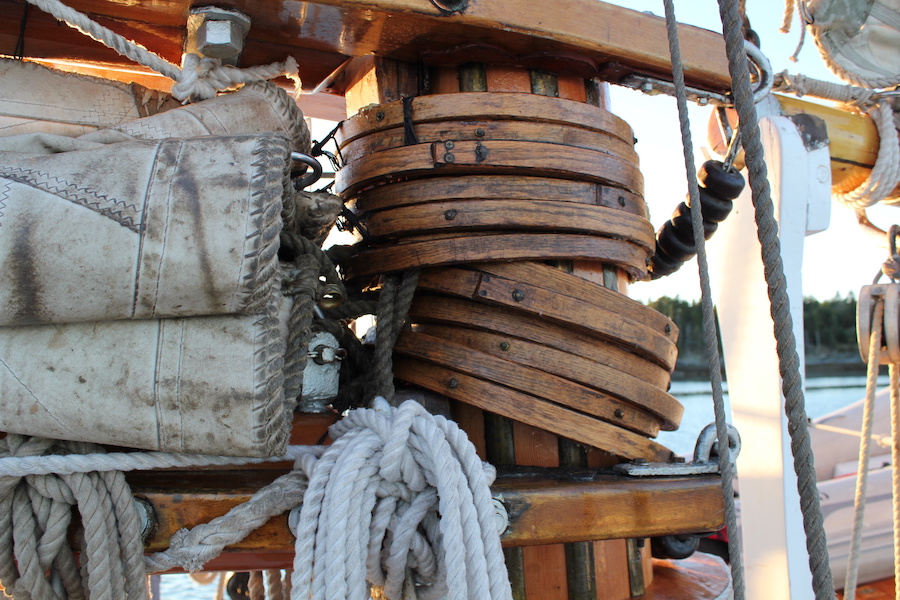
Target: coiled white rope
[
  {"x": 399, "y": 497},
  {"x": 198, "y": 78}
]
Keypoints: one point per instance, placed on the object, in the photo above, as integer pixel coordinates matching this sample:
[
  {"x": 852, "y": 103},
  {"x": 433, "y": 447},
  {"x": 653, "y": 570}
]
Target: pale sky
[{"x": 839, "y": 260}]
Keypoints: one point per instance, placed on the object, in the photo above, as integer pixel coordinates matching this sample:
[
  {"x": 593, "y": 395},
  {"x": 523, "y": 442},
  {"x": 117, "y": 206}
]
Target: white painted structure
[{"x": 774, "y": 543}]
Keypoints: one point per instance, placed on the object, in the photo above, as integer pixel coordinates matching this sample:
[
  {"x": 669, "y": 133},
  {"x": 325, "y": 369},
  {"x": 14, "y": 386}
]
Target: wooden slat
[
  {"x": 520, "y": 325},
  {"x": 521, "y": 158},
  {"x": 531, "y": 381},
  {"x": 518, "y": 215},
  {"x": 602, "y": 318},
  {"x": 569, "y": 366},
  {"x": 501, "y": 187},
  {"x": 477, "y": 106},
  {"x": 528, "y": 409},
  {"x": 512, "y": 246},
  {"x": 551, "y": 279},
  {"x": 458, "y": 130}
]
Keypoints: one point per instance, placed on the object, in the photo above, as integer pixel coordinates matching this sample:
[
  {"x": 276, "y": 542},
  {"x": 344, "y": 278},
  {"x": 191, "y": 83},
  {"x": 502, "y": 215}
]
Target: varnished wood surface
[
  {"x": 500, "y": 187},
  {"x": 513, "y": 215},
  {"x": 875, "y": 590},
  {"x": 544, "y": 508},
  {"x": 490, "y": 157},
  {"x": 569, "y": 366},
  {"x": 469, "y": 130},
  {"x": 478, "y": 106},
  {"x": 322, "y": 34},
  {"x": 593, "y": 313},
  {"x": 460, "y": 312},
  {"x": 528, "y": 409},
  {"x": 698, "y": 577},
  {"x": 529, "y": 380},
  {"x": 502, "y": 247}
]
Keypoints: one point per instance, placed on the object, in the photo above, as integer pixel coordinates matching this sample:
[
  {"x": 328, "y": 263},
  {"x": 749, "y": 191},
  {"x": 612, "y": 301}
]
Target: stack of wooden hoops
[{"x": 485, "y": 192}]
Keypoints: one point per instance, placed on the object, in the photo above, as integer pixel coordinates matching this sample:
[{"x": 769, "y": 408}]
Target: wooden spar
[
  {"x": 544, "y": 507},
  {"x": 852, "y": 139}
]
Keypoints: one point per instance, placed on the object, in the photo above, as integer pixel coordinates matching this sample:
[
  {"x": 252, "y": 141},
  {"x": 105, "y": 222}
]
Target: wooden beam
[
  {"x": 581, "y": 37},
  {"x": 544, "y": 506}
]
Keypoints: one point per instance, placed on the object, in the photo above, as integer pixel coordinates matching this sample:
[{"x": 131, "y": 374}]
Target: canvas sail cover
[{"x": 140, "y": 300}]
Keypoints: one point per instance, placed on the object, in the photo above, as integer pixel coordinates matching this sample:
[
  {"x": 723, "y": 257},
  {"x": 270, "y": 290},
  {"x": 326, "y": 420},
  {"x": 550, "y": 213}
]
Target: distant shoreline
[{"x": 693, "y": 367}]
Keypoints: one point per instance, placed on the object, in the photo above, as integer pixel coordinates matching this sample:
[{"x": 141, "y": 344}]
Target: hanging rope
[
  {"x": 726, "y": 468},
  {"x": 199, "y": 78},
  {"x": 862, "y": 469},
  {"x": 396, "y": 297},
  {"x": 894, "y": 375},
  {"x": 789, "y": 362}
]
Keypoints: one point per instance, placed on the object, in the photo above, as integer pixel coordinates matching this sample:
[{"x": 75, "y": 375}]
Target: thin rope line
[
  {"x": 709, "y": 322},
  {"x": 862, "y": 469},
  {"x": 788, "y": 359}
]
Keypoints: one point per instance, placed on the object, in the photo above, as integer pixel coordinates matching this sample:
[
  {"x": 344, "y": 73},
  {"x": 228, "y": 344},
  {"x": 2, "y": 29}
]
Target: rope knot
[{"x": 202, "y": 77}]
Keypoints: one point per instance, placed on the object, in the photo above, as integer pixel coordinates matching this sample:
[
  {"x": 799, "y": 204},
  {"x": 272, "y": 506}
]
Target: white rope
[
  {"x": 894, "y": 374},
  {"x": 885, "y": 174},
  {"x": 67, "y": 464},
  {"x": 862, "y": 470},
  {"x": 399, "y": 488},
  {"x": 198, "y": 78}
]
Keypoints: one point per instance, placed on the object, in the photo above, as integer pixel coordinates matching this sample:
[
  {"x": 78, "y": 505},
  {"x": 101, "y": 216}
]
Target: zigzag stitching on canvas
[
  {"x": 4, "y": 195},
  {"x": 144, "y": 131},
  {"x": 126, "y": 215}
]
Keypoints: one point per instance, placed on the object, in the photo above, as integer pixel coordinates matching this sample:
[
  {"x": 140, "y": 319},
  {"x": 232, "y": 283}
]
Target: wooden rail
[{"x": 545, "y": 507}]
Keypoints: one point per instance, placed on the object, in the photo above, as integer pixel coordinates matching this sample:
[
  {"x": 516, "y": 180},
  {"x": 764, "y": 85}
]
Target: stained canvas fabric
[{"x": 141, "y": 230}]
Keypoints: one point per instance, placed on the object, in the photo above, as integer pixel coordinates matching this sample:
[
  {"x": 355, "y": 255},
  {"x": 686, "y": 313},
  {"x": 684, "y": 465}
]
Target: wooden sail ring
[
  {"x": 577, "y": 314},
  {"x": 529, "y": 409},
  {"x": 440, "y": 251},
  {"x": 457, "y": 130},
  {"x": 890, "y": 324},
  {"x": 567, "y": 366},
  {"x": 499, "y": 187},
  {"x": 475, "y": 106},
  {"x": 529, "y": 380},
  {"x": 516, "y": 215},
  {"x": 545, "y": 334},
  {"x": 516, "y": 158}
]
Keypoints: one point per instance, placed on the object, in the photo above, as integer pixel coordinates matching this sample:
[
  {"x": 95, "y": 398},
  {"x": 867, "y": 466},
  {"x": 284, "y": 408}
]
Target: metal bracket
[{"x": 705, "y": 458}]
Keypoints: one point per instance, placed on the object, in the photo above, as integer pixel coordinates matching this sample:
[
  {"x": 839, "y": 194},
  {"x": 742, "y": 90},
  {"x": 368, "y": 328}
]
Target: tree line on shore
[{"x": 829, "y": 325}]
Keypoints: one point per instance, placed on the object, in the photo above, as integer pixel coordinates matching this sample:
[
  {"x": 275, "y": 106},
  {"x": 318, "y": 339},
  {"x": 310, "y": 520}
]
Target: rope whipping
[
  {"x": 726, "y": 468},
  {"x": 199, "y": 77},
  {"x": 862, "y": 469},
  {"x": 789, "y": 361}
]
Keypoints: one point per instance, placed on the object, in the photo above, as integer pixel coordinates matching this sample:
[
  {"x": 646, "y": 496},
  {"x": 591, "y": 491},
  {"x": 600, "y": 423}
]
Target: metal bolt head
[
  {"x": 668, "y": 329},
  {"x": 479, "y": 132},
  {"x": 453, "y": 384},
  {"x": 621, "y": 200},
  {"x": 449, "y": 144},
  {"x": 449, "y": 158},
  {"x": 379, "y": 116},
  {"x": 217, "y": 33},
  {"x": 504, "y": 346},
  {"x": 450, "y": 214},
  {"x": 518, "y": 295},
  {"x": 619, "y": 413}
]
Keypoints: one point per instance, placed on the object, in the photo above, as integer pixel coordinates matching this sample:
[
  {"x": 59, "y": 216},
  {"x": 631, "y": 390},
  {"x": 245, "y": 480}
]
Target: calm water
[{"x": 824, "y": 395}]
